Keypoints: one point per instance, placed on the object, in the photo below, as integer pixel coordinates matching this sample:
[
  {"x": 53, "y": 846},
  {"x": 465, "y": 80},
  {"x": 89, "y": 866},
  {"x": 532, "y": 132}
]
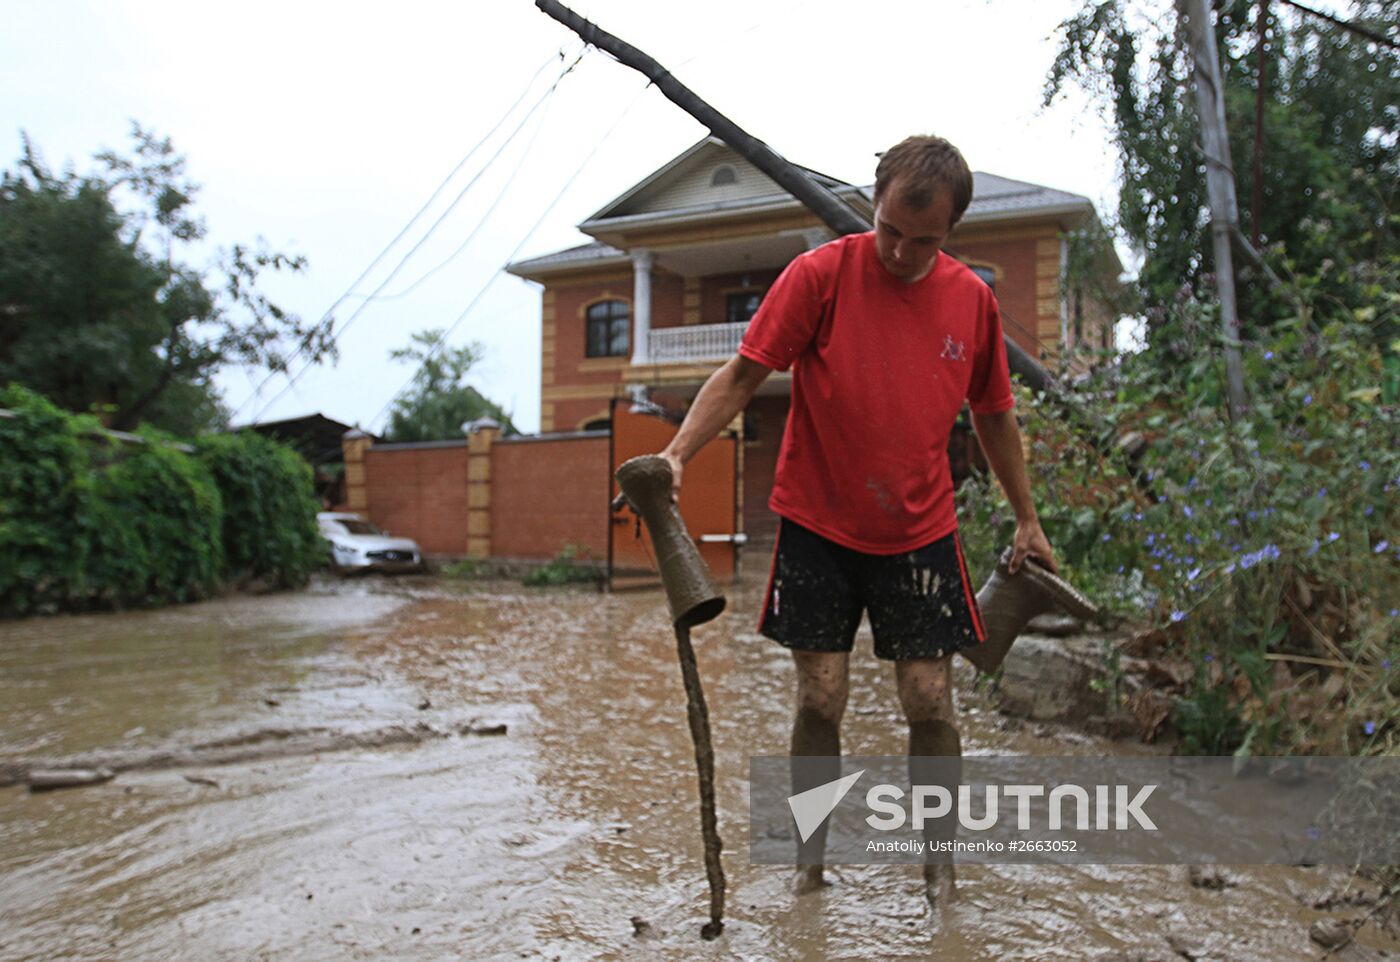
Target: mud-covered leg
[
  {"x": 822, "y": 689},
  {"x": 935, "y": 756}
]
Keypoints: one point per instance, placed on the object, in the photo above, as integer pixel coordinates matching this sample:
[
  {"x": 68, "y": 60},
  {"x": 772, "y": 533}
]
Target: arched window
[
  {"x": 724, "y": 174},
  {"x": 609, "y": 329}
]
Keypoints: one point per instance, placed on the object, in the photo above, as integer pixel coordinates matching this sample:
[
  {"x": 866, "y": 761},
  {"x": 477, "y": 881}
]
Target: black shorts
[{"x": 921, "y": 602}]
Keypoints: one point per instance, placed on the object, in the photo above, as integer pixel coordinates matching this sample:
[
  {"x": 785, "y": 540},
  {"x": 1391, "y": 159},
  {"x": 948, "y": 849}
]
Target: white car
[{"x": 357, "y": 545}]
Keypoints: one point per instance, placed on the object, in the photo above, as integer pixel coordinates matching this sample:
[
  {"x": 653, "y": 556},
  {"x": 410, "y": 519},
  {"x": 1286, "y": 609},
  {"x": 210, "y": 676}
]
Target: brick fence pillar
[
  {"x": 353, "y": 445},
  {"x": 479, "y": 442}
]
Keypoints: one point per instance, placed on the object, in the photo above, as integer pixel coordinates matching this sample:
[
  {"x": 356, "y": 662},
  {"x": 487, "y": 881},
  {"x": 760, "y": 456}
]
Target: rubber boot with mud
[{"x": 1009, "y": 601}]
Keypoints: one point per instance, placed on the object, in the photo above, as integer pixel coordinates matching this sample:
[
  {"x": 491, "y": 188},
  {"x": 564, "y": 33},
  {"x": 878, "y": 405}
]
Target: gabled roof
[
  {"x": 682, "y": 192},
  {"x": 685, "y": 182}
]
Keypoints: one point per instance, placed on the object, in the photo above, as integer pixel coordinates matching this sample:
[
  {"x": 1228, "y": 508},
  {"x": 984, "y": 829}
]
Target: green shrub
[
  {"x": 88, "y": 521},
  {"x": 45, "y": 506},
  {"x": 1264, "y": 553},
  {"x": 269, "y": 519},
  {"x": 564, "y": 569}
]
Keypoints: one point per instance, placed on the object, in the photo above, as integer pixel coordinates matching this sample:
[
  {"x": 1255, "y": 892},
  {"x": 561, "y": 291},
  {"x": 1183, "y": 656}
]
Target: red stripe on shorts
[
  {"x": 772, "y": 572},
  {"x": 967, "y": 591}
]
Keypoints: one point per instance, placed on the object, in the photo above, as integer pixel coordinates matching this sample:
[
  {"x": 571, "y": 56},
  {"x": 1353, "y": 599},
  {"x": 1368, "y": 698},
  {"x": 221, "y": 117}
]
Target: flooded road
[{"x": 543, "y": 843}]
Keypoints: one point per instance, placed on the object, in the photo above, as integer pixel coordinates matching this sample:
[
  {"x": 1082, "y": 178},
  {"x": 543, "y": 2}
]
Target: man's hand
[
  {"x": 677, "y": 466},
  {"x": 1030, "y": 540}
]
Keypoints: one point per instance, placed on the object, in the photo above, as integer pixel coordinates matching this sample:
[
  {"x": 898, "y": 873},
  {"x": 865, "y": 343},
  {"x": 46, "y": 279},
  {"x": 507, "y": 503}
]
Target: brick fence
[{"x": 486, "y": 496}]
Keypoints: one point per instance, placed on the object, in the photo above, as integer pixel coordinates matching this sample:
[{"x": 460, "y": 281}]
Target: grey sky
[{"x": 323, "y": 126}]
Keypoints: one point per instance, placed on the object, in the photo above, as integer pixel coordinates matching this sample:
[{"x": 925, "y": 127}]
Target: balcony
[{"x": 695, "y": 342}]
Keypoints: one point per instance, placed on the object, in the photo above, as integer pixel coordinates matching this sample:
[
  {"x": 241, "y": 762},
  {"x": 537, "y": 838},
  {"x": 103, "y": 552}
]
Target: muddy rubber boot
[{"x": 1009, "y": 602}]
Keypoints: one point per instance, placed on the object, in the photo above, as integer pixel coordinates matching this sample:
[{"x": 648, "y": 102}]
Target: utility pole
[
  {"x": 827, "y": 206},
  {"x": 1194, "y": 16}
]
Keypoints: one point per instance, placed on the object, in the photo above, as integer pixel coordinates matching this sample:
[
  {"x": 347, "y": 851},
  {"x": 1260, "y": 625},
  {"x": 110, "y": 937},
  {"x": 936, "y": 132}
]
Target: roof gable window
[
  {"x": 609, "y": 329},
  {"x": 724, "y": 174}
]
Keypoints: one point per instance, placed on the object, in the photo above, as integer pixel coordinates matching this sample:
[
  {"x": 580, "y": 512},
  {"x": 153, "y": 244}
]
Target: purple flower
[
  {"x": 1210, "y": 657},
  {"x": 1268, "y": 355},
  {"x": 1382, "y": 546},
  {"x": 1229, "y": 568},
  {"x": 1178, "y": 616},
  {"x": 1193, "y": 574},
  {"x": 1394, "y": 612},
  {"x": 1187, "y": 510},
  {"x": 1369, "y": 728},
  {"x": 1207, "y": 502},
  {"x": 1364, "y": 465},
  {"x": 1105, "y": 537},
  {"x": 1307, "y": 399},
  {"x": 1385, "y": 664},
  {"x": 1370, "y": 510},
  {"x": 1313, "y": 550},
  {"x": 1322, "y": 492},
  {"x": 1332, "y": 536}
]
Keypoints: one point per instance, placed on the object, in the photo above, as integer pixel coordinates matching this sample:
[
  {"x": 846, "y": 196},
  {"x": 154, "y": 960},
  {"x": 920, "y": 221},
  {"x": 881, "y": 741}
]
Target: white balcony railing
[{"x": 695, "y": 342}]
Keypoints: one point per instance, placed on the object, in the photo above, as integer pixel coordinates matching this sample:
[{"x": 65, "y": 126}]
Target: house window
[
  {"x": 609, "y": 329},
  {"x": 739, "y": 307},
  {"x": 989, "y": 276},
  {"x": 723, "y": 175}
]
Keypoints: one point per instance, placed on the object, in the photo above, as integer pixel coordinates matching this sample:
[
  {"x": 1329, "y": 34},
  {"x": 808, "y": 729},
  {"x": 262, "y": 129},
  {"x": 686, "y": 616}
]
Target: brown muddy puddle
[{"x": 539, "y": 844}]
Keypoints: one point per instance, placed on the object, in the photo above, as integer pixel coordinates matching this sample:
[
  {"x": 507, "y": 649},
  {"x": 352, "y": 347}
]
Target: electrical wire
[
  {"x": 403, "y": 261},
  {"x": 442, "y": 341},
  {"x": 327, "y": 314}
]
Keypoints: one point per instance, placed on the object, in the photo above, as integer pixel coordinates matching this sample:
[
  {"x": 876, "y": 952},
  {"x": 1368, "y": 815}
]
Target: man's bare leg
[
  {"x": 823, "y": 684},
  {"x": 935, "y": 750}
]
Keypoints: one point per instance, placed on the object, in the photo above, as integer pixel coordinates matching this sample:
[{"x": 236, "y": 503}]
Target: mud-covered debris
[
  {"x": 483, "y": 728},
  {"x": 425, "y": 704},
  {"x": 271, "y": 702},
  {"x": 641, "y": 928},
  {"x": 201, "y": 780},
  {"x": 1212, "y": 878},
  {"x": 619, "y": 827},
  {"x": 1331, "y": 933},
  {"x": 49, "y": 779}
]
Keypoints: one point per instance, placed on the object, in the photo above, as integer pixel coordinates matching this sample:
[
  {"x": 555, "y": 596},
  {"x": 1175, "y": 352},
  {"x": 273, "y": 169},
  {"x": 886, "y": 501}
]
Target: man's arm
[
  {"x": 1001, "y": 442},
  {"x": 721, "y": 397}
]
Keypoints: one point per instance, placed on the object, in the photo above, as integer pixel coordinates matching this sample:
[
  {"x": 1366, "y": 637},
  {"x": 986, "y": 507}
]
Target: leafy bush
[
  {"x": 1262, "y": 552},
  {"x": 44, "y": 505},
  {"x": 269, "y": 519},
  {"x": 87, "y": 521},
  {"x": 564, "y": 569}
]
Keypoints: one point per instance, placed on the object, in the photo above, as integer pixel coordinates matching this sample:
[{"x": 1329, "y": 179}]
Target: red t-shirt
[{"x": 880, "y": 370}]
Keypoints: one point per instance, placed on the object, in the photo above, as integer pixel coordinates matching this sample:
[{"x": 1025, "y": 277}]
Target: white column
[{"x": 642, "y": 261}]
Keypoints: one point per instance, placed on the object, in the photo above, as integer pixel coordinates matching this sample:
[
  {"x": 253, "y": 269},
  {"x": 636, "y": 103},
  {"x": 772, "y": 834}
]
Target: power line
[
  {"x": 500, "y": 195},
  {"x": 429, "y": 233},
  {"x": 327, "y": 314},
  {"x": 442, "y": 341}
]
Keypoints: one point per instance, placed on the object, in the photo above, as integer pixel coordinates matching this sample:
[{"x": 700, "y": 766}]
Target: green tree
[
  {"x": 1331, "y": 144},
  {"x": 101, "y": 310},
  {"x": 439, "y": 402}
]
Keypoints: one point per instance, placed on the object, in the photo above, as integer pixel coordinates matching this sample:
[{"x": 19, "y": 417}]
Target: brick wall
[
  {"x": 549, "y": 493},
  {"x": 419, "y": 491}
]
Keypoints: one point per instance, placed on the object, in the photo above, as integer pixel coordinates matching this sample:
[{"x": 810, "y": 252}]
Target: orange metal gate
[{"x": 710, "y": 500}]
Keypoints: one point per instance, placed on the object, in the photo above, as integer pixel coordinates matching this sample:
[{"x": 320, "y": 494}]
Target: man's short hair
[{"x": 924, "y": 165}]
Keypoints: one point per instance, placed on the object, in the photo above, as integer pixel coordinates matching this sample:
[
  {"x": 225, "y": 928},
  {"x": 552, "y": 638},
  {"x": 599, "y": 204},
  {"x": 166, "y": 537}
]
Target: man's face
[{"x": 906, "y": 239}]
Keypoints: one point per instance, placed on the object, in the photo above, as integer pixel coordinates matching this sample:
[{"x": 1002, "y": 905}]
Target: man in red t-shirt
[{"x": 886, "y": 337}]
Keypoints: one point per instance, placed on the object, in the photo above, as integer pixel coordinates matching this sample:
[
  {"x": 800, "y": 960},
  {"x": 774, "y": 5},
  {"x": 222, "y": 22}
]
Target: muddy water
[{"x": 543, "y": 843}]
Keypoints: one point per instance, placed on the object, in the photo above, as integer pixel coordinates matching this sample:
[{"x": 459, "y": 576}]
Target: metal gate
[{"x": 710, "y": 500}]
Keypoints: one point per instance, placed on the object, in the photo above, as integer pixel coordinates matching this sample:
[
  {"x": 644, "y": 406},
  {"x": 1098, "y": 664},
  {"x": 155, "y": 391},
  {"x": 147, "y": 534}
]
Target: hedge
[{"x": 89, "y": 521}]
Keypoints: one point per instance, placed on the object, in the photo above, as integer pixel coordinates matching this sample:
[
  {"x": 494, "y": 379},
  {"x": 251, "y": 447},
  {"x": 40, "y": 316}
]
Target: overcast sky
[{"x": 323, "y": 127}]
